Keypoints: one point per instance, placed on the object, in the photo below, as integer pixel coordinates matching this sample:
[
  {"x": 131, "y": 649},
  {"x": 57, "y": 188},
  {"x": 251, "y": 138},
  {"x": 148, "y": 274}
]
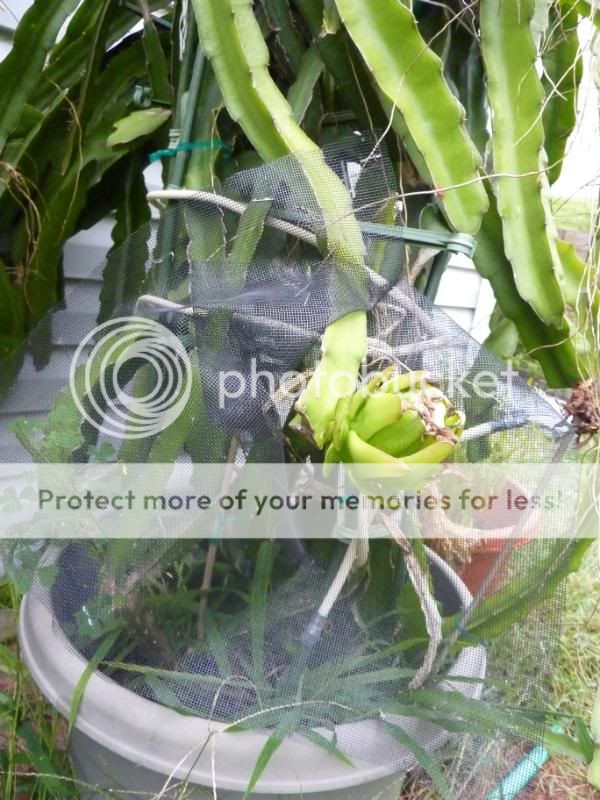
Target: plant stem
[
  {"x": 177, "y": 175},
  {"x": 440, "y": 262},
  {"x": 211, "y": 554},
  {"x": 162, "y": 23},
  {"x": 433, "y": 619},
  {"x": 188, "y": 90},
  {"x": 209, "y": 566}
]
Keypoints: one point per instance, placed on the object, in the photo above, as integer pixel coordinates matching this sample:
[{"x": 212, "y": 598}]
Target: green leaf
[
  {"x": 248, "y": 235},
  {"x": 170, "y": 441},
  {"x": 7, "y": 702},
  {"x": 331, "y": 18},
  {"x": 585, "y": 740},
  {"x": 91, "y": 72},
  {"x": 66, "y": 68},
  {"x": 373, "y": 658},
  {"x": 346, "y": 67},
  {"x": 485, "y": 717},
  {"x": 232, "y": 39},
  {"x": 550, "y": 345},
  {"x": 11, "y": 307},
  {"x": 139, "y": 123},
  {"x": 563, "y": 70},
  {"x": 125, "y": 268},
  {"x": 395, "y": 675},
  {"x": 328, "y": 745},
  {"x": 69, "y": 57},
  {"x": 190, "y": 677},
  {"x": 31, "y": 118},
  {"x": 562, "y": 744},
  {"x": 503, "y": 339},
  {"x": 58, "y": 437},
  {"x": 137, "y": 450},
  {"x": 21, "y": 69},
  {"x": 301, "y": 91},
  {"x": 65, "y": 195},
  {"x": 222, "y": 44},
  {"x": 473, "y": 92},
  {"x": 288, "y": 43},
  {"x": 9, "y": 663},
  {"x": 539, "y": 20},
  {"x": 425, "y": 759},
  {"x": 378, "y": 600},
  {"x": 158, "y": 68},
  {"x": 585, "y": 10},
  {"x": 200, "y": 171},
  {"x": 509, "y": 605},
  {"x": 574, "y": 278}
]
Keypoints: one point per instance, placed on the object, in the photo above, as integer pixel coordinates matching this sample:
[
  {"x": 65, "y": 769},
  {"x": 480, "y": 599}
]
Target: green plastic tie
[{"x": 170, "y": 152}]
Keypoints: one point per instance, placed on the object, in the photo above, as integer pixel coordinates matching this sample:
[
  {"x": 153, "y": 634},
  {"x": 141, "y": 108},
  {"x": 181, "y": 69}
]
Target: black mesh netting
[{"x": 247, "y": 279}]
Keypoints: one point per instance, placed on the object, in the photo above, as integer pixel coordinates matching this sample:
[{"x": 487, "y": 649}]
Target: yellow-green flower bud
[{"x": 399, "y": 420}]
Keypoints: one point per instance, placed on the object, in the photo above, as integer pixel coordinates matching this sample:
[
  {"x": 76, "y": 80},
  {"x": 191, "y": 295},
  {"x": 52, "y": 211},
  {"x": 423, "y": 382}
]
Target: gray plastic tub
[{"x": 135, "y": 748}]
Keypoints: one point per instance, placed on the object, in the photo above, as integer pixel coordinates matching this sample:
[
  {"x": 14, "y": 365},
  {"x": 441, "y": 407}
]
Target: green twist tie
[{"x": 170, "y": 152}]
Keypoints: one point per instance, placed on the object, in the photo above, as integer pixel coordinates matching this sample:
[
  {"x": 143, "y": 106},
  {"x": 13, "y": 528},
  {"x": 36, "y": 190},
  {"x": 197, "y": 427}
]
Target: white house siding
[
  {"x": 11, "y": 11},
  {"x": 466, "y": 297}
]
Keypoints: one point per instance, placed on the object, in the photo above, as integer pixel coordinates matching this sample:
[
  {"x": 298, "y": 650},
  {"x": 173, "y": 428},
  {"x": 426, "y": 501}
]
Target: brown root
[{"x": 584, "y": 408}]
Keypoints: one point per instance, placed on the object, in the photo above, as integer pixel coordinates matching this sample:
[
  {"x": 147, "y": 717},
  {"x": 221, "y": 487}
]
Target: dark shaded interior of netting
[{"x": 290, "y": 609}]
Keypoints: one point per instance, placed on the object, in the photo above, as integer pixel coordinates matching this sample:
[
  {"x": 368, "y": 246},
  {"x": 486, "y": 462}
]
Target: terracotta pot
[
  {"x": 500, "y": 521},
  {"x": 482, "y": 561},
  {"x": 484, "y": 555}
]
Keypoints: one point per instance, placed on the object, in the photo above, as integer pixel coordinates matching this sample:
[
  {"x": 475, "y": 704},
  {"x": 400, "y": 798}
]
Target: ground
[{"x": 574, "y": 686}]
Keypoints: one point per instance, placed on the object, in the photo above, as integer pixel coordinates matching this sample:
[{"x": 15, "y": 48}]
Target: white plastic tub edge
[{"x": 163, "y": 741}]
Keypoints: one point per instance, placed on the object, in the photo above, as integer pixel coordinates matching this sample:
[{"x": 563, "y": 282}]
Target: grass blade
[
  {"x": 258, "y": 606},
  {"x": 271, "y": 746},
  {"x": 92, "y": 665}
]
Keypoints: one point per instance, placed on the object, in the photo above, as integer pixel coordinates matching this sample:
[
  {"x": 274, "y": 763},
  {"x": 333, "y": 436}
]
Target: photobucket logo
[
  {"x": 234, "y": 385},
  {"x": 131, "y": 378}
]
